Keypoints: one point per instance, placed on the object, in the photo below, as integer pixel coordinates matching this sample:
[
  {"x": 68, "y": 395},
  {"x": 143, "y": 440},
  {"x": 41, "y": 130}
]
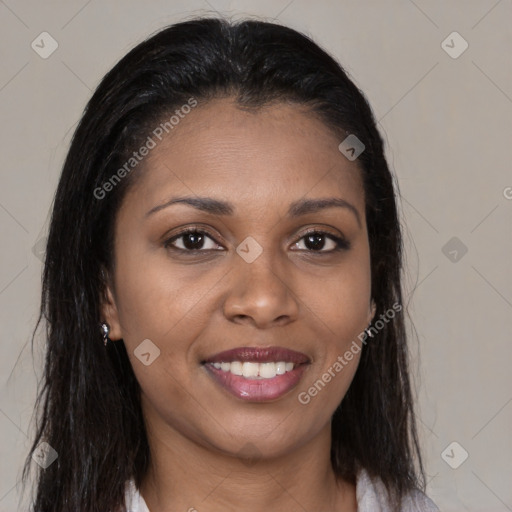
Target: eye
[
  {"x": 193, "y": 239},
  {"x": 322, "y": 242}
]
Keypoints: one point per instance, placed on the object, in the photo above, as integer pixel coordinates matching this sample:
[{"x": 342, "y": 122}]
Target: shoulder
[
  {"x": 372, "y": 497},
  {"x": 133, "y": 500}
]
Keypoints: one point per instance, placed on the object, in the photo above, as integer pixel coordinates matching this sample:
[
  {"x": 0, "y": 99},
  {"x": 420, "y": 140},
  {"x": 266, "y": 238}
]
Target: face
[{"x": 268, "y": 282}]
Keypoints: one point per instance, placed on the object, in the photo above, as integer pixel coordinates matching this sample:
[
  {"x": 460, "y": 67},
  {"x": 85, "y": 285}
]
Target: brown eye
[
  {"x": 322, "y": 242},
  {"x": 192, "y": 240}
]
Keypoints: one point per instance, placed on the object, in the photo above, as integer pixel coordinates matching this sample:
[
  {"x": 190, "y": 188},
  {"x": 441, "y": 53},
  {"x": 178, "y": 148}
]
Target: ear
[{"x": 109, "y": 313}]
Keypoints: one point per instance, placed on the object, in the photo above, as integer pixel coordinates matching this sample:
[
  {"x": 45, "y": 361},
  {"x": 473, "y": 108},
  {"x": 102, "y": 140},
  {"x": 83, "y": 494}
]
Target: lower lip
[{"x": 257, "y": 390}]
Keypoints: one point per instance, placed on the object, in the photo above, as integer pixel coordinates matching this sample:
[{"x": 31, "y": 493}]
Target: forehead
[{"x": 255, "y": 158}]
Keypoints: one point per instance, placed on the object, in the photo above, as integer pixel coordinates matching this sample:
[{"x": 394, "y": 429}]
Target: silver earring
[
  {"x": 368, "y": 332},
  {"x": 105, "y": 329}
]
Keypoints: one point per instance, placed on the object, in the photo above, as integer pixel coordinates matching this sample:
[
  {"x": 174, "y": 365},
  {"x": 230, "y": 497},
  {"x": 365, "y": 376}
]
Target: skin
[{"x": 210, "y": 450}]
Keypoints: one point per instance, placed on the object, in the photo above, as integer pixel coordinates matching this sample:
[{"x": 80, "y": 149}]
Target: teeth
[
  {"x": 280, "y": 368},
  {"x": 268, "y": 370},
  {"x": 235, "y": 367},
  {"x": 251, "y": 370}
]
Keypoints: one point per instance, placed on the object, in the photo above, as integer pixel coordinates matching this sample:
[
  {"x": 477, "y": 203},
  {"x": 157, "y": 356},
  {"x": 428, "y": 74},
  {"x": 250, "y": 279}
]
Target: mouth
[{"x": 257, "y": 374}]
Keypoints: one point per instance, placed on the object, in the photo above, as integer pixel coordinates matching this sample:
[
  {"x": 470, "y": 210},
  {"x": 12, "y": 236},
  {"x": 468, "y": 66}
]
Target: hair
[{"x": 88, "y": 403}]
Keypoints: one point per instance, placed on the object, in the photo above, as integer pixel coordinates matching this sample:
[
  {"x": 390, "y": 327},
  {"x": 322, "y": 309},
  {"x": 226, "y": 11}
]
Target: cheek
[
  {"x": 157, "y": 304},
  {"x": 153, "y": 296},
  {"x": 340, "y": 308},
  {"x": 168, "y": 305},
  {"x": 340, "y": 302}
]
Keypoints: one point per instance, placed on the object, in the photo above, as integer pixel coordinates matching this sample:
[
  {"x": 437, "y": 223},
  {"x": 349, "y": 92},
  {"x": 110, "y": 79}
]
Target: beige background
[{"x": 448, "y": 125}]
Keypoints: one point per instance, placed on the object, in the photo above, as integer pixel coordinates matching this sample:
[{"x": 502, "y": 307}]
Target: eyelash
[{"x": 341, "y": 243}]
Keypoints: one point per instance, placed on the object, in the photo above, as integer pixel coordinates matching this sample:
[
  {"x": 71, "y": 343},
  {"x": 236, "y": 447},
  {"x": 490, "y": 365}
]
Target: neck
[{"x": 185, "y": 475}]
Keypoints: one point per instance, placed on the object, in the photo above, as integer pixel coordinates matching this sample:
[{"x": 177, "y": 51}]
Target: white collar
[{"x": 371, "y": 497}]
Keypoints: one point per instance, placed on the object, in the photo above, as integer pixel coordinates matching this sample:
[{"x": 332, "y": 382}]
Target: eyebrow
[{"x": 296, "y": 209}]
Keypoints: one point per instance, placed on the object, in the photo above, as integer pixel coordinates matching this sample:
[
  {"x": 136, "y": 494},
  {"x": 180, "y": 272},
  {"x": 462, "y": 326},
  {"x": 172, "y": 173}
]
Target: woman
[{"x": 222, "y": 289}]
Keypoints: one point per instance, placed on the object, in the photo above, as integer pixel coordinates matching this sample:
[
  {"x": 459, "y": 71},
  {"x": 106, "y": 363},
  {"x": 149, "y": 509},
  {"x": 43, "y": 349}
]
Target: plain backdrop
[{"x": 445, "y": 112}]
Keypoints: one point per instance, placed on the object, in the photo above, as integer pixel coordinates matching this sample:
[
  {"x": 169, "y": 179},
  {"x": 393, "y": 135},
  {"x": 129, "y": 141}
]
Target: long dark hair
[{"x": 88, "y": 406}]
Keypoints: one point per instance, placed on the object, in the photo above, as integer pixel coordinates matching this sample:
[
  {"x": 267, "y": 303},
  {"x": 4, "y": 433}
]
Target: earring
[
  {"x": 368, "y": 332},
  {"x": 105, "y": 329}
]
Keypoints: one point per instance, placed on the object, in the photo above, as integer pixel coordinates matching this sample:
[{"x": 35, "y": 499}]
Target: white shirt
[{"x": 371, "y": 497}]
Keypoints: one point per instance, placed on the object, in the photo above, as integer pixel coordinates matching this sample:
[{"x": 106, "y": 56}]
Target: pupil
[
  {"x": 315, "y": 241},
  {"x": 193, "y": 240}
]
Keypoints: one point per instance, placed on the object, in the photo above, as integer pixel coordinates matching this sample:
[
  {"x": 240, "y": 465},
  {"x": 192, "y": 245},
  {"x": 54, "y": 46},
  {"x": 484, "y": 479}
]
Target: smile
[
  {"x": 255, "y": 370},
  {"x": 257, "y": 374}
]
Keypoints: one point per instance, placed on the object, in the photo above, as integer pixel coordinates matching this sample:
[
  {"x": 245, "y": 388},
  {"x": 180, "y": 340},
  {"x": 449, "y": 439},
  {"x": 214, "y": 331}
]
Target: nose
[{"x": 261, "y": 294}]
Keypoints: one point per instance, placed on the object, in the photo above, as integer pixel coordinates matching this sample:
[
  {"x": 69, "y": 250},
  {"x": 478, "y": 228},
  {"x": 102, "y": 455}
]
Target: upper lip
[{"x": 259, "y": 355}]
